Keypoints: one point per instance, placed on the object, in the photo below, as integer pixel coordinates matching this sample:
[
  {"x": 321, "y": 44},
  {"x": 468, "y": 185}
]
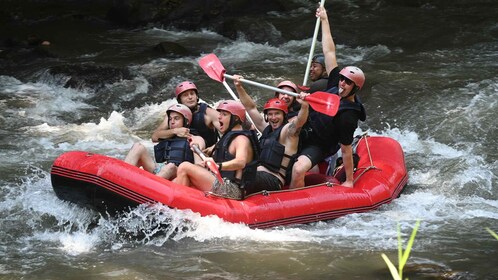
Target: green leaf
[
  {"x": 492, "y": 233},
  {"x": 410, "y": 243},
  {"x": 391, "y": 267},
  {"x": 400, "y": 247},
  {"x": 408, "y": 249}
]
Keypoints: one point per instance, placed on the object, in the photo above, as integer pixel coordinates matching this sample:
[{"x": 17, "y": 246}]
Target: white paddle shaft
[
  {"x": 199, "y": 152},
  {"x": 312, "y": 49},
  {"x": 249, "y": 82}
]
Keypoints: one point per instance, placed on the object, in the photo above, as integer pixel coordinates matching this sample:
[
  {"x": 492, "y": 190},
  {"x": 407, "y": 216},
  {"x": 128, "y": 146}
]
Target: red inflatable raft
[{"x": 109, "y": 184}]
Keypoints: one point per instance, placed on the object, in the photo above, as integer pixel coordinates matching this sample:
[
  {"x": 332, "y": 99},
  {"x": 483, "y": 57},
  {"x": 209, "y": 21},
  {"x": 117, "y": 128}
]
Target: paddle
[
  {"x": 229, "y": 89},
  {"x": 211, "y": 165},
  {"x": 312, "y": 49},
  {"x": 323, "y": 102}
]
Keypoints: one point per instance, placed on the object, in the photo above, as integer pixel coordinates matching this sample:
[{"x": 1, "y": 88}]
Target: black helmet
[{"x": 319, "y": 58}]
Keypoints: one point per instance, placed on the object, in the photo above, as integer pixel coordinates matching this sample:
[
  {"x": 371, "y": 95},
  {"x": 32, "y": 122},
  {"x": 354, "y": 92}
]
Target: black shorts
[
  {"x": 315, "y": 153},
  {"x": 264, "y": 181}
]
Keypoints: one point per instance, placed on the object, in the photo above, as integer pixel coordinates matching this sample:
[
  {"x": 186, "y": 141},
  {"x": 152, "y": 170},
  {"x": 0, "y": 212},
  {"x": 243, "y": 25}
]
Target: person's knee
[
  {"x": 168, "y": 171},
  {"x": 299, "y": 168},
  {"x": 171, "y": 166},
  {"x": 181, "y": 170},
  {"x": 138, "y": 147}
]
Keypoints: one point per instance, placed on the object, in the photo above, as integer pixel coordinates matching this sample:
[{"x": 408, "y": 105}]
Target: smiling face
[
  {"x": 275, "y": 118},
  {"x": 175, "y": 120},
  {"x": 345, "y": 86},
  {"x": 316, "y": 71},
  {"x": 288, "y": 99},
  {"x": 189, "y": 98}
]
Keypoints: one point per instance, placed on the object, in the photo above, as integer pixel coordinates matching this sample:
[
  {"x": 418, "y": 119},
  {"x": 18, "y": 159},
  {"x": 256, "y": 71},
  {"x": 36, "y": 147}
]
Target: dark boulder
[
  {"x": 172, "y": 49},
  {"x": 221, "y": 16},
  {"x": 90, "y": 75}
]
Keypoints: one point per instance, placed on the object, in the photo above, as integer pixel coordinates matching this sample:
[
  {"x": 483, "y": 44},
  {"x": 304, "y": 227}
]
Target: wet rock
[
  {"x": 255, "y": 31},
  {"x": 90, "y": 75},
  {"x": 435, "y": 271},
  {"x": 171, "y": 48},
  {"x": 134, "y": 12},
  {"x": 221, "y": 16}
]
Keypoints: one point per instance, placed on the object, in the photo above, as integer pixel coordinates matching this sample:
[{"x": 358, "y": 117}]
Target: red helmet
[
  {"x": 183, "y": 110},
  {"x": 354, "y": 74},
  {"x": 288, "y": 84},
  {"x": 276, "y": 104},
  {"x": 233, "y": 107},
  {"x": 184, "y": 86}
]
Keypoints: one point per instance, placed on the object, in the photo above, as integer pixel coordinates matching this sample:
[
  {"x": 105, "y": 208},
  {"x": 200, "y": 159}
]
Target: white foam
[
  {"x": 41, "y": 101},
  {"x": 108, "y": 133},
  {"x": 176, "y": 34}
]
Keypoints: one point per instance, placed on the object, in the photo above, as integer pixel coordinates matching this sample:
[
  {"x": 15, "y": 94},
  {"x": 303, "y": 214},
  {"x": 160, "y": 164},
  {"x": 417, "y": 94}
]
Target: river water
[{"x": 432, "y": 83}]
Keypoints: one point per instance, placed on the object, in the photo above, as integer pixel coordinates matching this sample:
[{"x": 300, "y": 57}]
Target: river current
[{"x": 432, "y": 84}]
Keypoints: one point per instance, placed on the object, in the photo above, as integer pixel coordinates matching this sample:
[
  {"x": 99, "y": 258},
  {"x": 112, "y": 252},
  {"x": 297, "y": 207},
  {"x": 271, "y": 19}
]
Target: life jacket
[
  {"x": 319, "y": 85},
  {"x": 333, "y": 90},
  {"x": 292, "y": 114},
  {"x": 221, "y": 154},
  {"x": 322, "y": 126},
  {"x": 173, "y": 150},
  {"x": 273, "y": 153},
  {"x": 199, "y": 127},
  {"x": 293, "y": 109},
  {"x": 356, "y": 105}
]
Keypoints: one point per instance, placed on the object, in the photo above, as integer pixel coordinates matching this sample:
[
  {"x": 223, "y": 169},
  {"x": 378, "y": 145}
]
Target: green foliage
[
  {"x": 402, "y": 256},
  {"x": 492, "y": 233}
]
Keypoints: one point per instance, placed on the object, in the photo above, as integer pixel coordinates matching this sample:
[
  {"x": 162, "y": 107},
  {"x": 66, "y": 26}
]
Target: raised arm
[
  {"x": 249, "y": 104},
  {"x": 294, "y": 126},
  {"x": 328, "y": 44}
]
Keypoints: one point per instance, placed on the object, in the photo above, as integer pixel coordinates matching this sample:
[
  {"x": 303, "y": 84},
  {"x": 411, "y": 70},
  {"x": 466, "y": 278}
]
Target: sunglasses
[{"x": 346, "y": 80}]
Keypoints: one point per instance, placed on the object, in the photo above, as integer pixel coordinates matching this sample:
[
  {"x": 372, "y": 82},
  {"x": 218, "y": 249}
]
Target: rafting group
[{"x": 234, "y": 150}]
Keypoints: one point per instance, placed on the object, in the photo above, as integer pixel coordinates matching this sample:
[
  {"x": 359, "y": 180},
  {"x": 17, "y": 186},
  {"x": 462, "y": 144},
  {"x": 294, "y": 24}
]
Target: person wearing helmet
[
  {"x": 318, "y": 74},
  {"x": 204, "y": 118},
  {"x": 324, "y": 135},
  {"x": 279, "y": 140},
  {"x": 290, "y": 100},
  {"x": 236, "y": 155},
  {"x": 171, "y": 151}
]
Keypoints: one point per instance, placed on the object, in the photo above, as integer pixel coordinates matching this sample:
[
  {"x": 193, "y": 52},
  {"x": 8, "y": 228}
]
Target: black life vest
[
  {"x": 322, "y": 126},
  {"x": 319, "y": 85},
  {"x": 199, "y": 127},
  {"x": 173, "y": 150},
  {"x": 333, "y": 90},
  {"x": 356, "y": 105},
  {"x": 272, "y": 152},
  {"x": 221, "y": 154},
  {"x": 293, "y": 109}
]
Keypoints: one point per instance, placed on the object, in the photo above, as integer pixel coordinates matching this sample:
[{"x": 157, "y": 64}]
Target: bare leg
[
  {"x": 202, "y": 145},
  {"x": 315, "y": 169},
  {"x": 301, "y": 166},
  {"x": 168, "y": 171},
  {"x": 196, "y": 176},
  {"x": 139, "y": 156}
]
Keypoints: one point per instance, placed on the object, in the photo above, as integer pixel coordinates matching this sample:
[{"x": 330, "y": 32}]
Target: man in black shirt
[{"x": 323, "y": 133}]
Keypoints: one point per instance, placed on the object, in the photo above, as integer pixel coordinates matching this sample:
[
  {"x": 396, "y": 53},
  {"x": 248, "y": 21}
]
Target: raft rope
[
  {"x": 368, "y": 150},
  {"x": 372, "y": 166}
]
